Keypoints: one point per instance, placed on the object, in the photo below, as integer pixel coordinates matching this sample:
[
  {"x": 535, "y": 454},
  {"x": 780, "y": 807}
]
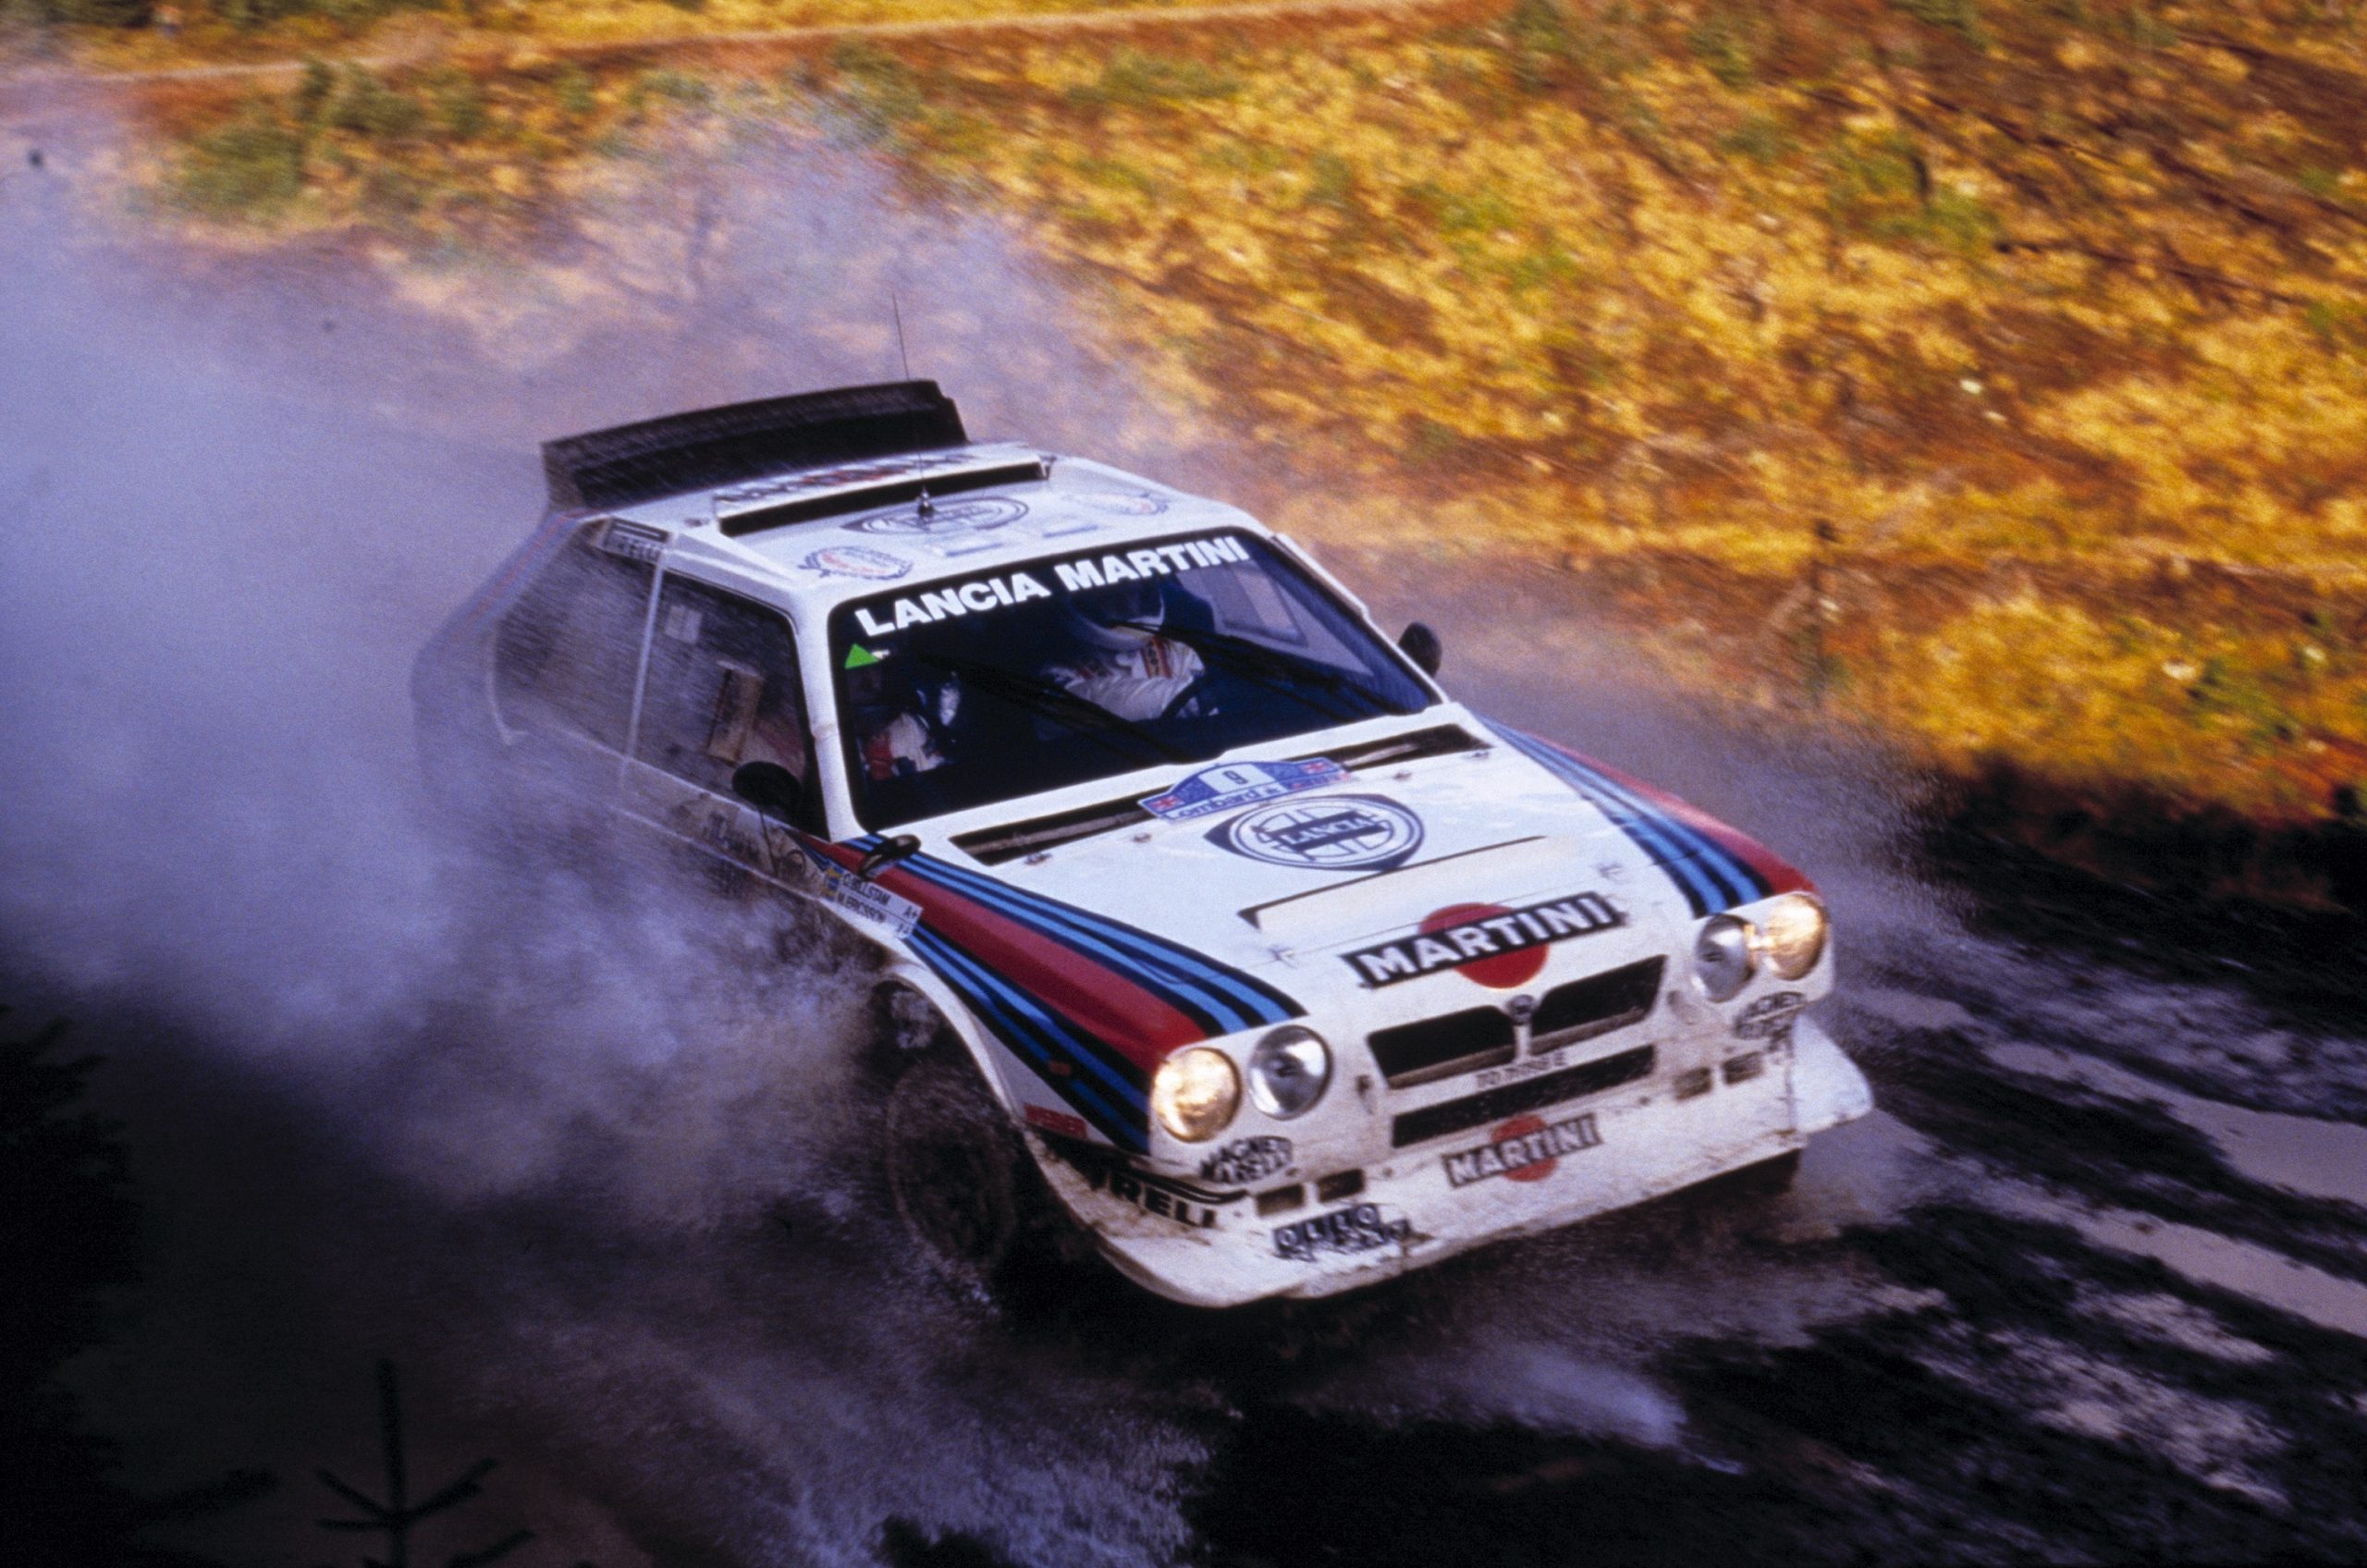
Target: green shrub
[
  {"x": 367, "y": 106},
  {"x": 248, "y": 168}
]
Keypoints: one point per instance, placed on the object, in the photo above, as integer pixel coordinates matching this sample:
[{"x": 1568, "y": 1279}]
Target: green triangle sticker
[{"x": 858, "y": 655}]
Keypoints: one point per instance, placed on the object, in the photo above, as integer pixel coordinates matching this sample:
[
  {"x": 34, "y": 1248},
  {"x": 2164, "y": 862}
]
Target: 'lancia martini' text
[{"x": 983, "y": 594}]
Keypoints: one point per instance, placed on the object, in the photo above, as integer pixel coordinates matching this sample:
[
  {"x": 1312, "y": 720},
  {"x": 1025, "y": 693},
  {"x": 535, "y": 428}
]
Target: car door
[
  {"x": 564, "y": 660},
  {"x": 722, "y": 690}
]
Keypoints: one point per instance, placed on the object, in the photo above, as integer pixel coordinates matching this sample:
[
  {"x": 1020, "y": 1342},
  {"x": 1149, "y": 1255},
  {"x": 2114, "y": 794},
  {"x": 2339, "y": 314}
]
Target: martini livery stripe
[
  {"x": 1108, "y": 1092},
  {"x": 1220, "y": 1000},
  {"x": 1706, "y": 868}
]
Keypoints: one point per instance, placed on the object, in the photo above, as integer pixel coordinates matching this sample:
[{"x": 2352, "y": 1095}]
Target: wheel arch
[{"x": 912, "y": 975}]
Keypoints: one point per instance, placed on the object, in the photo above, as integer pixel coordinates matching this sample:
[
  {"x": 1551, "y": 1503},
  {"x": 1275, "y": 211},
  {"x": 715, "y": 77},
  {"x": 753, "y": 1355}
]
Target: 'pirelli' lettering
[{"x": 1536, "y": 925}]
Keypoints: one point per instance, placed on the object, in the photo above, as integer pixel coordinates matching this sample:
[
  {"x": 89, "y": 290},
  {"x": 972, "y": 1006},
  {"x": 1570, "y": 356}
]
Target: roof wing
[{"x": 699, "y": 450}]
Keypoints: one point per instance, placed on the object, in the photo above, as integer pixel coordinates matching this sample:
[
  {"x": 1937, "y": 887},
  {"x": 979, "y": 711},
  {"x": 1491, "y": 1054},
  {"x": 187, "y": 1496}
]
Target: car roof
[{"x": 822, "y": 535}]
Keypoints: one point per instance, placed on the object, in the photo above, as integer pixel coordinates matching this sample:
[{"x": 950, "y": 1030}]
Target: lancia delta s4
[{"x": 1203, "y": 922}]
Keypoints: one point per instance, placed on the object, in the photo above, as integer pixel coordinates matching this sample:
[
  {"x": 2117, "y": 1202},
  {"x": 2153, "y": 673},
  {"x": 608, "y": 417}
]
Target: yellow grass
[{"x": 2054, "y": 318}]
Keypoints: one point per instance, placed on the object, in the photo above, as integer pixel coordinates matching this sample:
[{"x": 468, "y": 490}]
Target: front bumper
[{"x": 1420, "y": 1205}]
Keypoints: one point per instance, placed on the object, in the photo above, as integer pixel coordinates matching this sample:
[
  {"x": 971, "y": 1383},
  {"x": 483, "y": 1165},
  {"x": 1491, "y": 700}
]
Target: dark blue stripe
[
  {"x": 1220, "y": 1000},
  {"x": 1742, "y": 883},
  {"x": 1261, "y": 1002},
  {"x": 1211, "y": 1010},
  {"x": 1128, "y": 1129},
  {"x": 1048, "y": 1028},
  {"x": 1650, "y": 832}
]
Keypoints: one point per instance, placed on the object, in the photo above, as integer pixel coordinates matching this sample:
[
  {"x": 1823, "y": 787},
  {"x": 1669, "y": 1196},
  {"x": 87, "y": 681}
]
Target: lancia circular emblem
[
  {"x": 983, "y": 515},
  {"x": 1329, "y": 833}
]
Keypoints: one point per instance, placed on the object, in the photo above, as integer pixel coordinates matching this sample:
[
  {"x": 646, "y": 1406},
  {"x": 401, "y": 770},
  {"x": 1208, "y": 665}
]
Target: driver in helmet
[
  {"x": 901, "y": 717},
  {"x": 1116, "y": 658}
]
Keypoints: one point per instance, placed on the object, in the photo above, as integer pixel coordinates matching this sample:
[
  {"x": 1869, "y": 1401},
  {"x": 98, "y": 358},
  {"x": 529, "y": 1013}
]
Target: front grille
[
  {"x": 1596, "y": 1005},
  {"x": 1530, "y": 1093},
  {"x": 1440, "y": 1048}
]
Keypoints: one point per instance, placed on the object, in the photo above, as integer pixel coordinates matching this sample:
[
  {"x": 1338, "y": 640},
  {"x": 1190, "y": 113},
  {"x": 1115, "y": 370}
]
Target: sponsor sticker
[
  {"x": 1214, "y": 789},
  {"x": 1061, "y": 1122},
  {"x": 1247, "y": 1159},
  {"x": 1116, "y": 503},
  {"x": 1488, "y": 943},
  {"x": 1358, "y": 1228},
  {"x": 1770, "y": 1017},
  {"x": 1192, "y": 1207},
  {"x": 1526, "y": 1148},
  {"x": 1335, "y": 833},
  {"x": 857, "y": 560},
  {"x": 746, "y": 496},
  {"x": 632, "y": 542},
  {"x": 841, "y": 888},
  {"x": 990, "y": 594},
  {"x": 947, "y": 521},
  {"x": 1513, "y": 1072}
]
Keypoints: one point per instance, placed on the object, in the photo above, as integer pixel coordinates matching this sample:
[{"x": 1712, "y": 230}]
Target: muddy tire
[{"x": 956, "y": 1172}]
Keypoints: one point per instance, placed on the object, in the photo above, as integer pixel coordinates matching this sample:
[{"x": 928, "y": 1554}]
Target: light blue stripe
[
  {"x": 1229, "y": 1015},
  {"x": 1010, "y": 999},
  {"x": 1176, "y": 967},
  {"x": 1129, "y": 1129},
  {"x": 1692, "y": 879},
  {"x": 1715, "y": 857},
  {"x": 1016, "y": 1010},
  {"x": 1181, "y": 962}
]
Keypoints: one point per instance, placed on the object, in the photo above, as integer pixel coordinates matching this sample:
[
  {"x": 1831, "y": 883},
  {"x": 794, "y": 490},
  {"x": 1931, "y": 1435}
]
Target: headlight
[
  {"x": 1288, "y": 1071},
  {"x": 1721, "y": 956},
  {"x": 1791, "y": 934},
  {"x": 1195, "y": 1094}
]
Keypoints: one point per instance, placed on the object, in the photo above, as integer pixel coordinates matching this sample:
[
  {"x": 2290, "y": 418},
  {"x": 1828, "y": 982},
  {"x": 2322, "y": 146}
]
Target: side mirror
[
  {"x": 770, "y": 788},
  {"x": 887, "y": 854},
  {"x": 1420, "y": 644}
]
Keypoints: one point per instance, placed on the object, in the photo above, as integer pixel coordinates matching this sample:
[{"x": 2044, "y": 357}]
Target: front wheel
[{"x": 954, "y": 1170}]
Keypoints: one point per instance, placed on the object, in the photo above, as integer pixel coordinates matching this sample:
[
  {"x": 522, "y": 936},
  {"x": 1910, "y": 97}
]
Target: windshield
[{"x": 1011, "y": 683}]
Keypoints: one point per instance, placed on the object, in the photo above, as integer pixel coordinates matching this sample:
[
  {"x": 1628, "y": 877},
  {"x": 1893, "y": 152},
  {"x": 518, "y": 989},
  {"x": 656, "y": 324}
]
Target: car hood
[{"x": 1169, "y": 931}]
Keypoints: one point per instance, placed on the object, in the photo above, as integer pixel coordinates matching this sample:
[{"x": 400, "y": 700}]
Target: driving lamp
[
  {"x": 1195, "y": 1094},
  {"x": 1791, "y": 934},
  {"x": 1288, "y": 1071},
  {"x": 1721, "y": 957}
]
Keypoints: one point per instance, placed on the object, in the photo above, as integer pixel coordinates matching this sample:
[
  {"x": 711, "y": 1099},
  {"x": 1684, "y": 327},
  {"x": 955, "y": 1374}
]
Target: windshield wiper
[
  {"x": 1050, "y": 699},
  {"x": 1274, "y": 670}
]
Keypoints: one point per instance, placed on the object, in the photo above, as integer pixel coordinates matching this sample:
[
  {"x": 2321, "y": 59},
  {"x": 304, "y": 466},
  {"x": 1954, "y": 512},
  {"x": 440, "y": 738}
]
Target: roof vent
[{"x": 700, "y": 450}]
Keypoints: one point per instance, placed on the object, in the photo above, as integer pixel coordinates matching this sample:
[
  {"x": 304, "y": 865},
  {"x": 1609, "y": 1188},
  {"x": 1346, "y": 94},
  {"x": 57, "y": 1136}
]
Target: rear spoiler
[{"x": 740, "y": 441}]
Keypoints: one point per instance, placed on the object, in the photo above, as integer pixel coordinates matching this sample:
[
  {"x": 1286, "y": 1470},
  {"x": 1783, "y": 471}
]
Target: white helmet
[{"x": 1121, "y": 616}]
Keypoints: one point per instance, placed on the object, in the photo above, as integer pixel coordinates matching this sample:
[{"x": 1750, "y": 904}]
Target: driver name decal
[{"x": 1482, "y": 937}]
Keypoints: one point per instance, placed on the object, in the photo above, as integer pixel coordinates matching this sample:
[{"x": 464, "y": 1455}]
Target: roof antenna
[{"x": 899, "y": 310}]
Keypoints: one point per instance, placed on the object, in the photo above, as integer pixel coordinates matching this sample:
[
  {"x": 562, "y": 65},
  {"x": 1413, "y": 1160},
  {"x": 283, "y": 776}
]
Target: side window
[
  {"x": 722, "y": 688},
  {"x": 567, "y": 653}
]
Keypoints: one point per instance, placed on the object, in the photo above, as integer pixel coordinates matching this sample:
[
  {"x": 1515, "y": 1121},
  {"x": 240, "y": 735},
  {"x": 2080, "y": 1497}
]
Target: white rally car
[{"x": 1288, "y": 971}]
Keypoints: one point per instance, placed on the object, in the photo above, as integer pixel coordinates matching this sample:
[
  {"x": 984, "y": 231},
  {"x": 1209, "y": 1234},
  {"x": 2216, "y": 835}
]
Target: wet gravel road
[{"x": 2091, "y": 1285}]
